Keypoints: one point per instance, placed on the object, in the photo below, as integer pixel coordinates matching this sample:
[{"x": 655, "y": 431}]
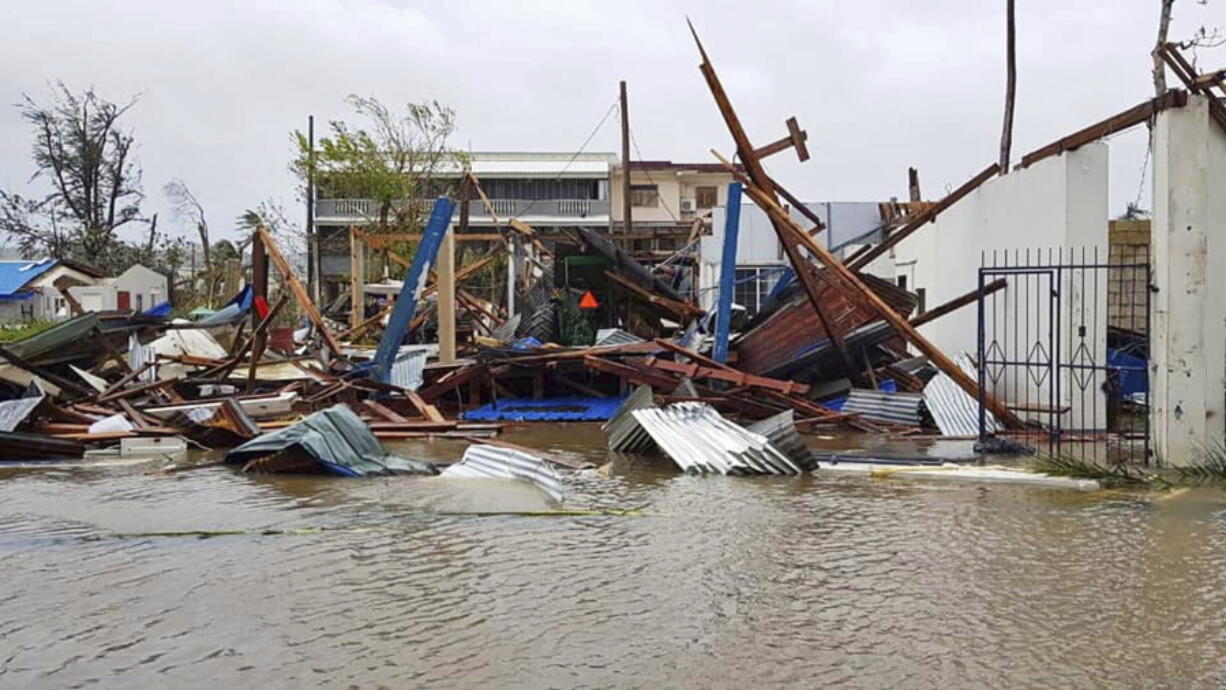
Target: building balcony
[{"x": 534, "y": 212}]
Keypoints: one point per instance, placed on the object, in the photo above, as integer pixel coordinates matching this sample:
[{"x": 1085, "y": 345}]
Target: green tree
[{"x": 391, "y": 158}]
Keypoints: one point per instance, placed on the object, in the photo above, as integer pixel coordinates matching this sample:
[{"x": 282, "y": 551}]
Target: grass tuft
[{"x": 1080, "y": 468}]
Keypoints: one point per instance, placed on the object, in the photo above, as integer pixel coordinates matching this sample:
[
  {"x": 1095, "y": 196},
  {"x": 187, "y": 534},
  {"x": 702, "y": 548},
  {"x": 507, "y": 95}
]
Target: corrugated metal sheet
[
  {"x": 686, "y": 389},
  {"x": 795, "y": 329},
  {"x": 492, "y": 462},
  {"x": 701, "y": 441},
  {"x": 780, "y": 430},
  {"x": 574, "y": 408},
  {"x": 337, "y": 440},
  {"x": 408, "y": 367},
  {"x": 882, "y": 406},
  {"x": 140, "y": 355},
  {"x": 622, "y": 431},
  {"x": 616, "y": 336},
  {"x": 14, "y": 412},
  {"x": 955, "y": 412},
  {"x": 14, "y": 275}
]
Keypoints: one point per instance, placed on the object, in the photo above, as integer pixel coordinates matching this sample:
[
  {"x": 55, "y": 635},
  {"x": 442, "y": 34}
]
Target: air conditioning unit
[{"x": 688, "y": 206}]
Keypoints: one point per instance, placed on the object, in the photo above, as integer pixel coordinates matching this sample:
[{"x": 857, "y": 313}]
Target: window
[
  {"x": 753, "y": 286},
  {"x": 706, "y": 197},
  {"x": 644, "y": 195},
  {"x": 902, "y": 282},
  {"x": 140, "y": 302}
]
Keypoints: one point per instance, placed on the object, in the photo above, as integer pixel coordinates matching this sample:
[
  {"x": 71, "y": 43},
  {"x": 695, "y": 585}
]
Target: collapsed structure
[{"x": 585, "y": 317}]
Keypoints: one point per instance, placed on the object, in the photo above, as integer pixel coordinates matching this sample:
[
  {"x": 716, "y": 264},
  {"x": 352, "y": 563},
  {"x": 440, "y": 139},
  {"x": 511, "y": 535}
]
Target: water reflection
[{"x": 722, "y": 582}]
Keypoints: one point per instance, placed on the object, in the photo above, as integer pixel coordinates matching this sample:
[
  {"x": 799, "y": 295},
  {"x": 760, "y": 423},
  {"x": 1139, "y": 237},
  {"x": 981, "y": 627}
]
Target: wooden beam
[
  {"x": 357, "y": 278},
  {"x": 224, "y": 370},
  {"x": 795, "y": 139},
  {"x": 757, "y": 175},
  {"x": 740, "y": 378},
  {"x": 382, "y": 241},
  {"x": 295, "y": 286},
  {"x": 957, "y": 303},
  {"x": 1187, "y": 74},
  {"x": 682, "y": 310},
  {"x": 1138, "y": 114},
  {"x": 924, "y": 217},
  {"x": 896, "y": 321}
]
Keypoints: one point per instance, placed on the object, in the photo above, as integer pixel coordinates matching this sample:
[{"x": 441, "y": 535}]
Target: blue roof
[
  {"x": 14, "y": 275},
  {"x": 574, "y": 408}
]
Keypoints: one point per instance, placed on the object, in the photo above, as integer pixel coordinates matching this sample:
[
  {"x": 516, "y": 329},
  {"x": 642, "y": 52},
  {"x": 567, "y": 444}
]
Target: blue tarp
[
  {"x": 574, "y": 408},
  {"x": 1131, "y": 371},
  {"x": 239, "y": 305},
  {"x": 161, "y": 309}
]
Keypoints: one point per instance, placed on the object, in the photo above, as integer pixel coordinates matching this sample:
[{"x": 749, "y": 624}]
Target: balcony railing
[{"x": 366, "y": 209}]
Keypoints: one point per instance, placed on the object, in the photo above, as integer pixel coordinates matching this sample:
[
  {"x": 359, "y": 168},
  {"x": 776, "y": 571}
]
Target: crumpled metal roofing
[
  {"x": 408, "y": 367},
  {"x": 701, "y": 441},
  {"x": 955, "y": 412},
  {"x": 884, "y": 406},
  {"x": 339, "y": 442},
  {"x": 14, "y": 412},
  {"x": 493, "y": 462},
  {"x": 622, "y": 431},
  {"x": 616, "y": 336},
  {"x": 780, "y": 430},
  {"x": 573, "y": 408}
]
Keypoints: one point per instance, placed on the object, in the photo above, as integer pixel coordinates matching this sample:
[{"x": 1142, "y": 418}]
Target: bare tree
[
  {"x": 81, "y": 150},
  {"x": 188, "y": 208},
  {"x": 1006, "y": 135},
  {"x": 1164, "y": 28}
]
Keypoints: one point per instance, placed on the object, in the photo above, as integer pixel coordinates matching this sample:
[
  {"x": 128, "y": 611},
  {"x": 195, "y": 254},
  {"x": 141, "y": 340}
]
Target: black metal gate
[{"x": 1064, "y": 343}]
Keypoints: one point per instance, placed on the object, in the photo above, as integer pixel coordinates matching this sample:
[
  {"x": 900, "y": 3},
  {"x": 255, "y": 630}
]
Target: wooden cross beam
[
  {"x": 796, "y": 138},
  {"x": 757, "y": 174}
]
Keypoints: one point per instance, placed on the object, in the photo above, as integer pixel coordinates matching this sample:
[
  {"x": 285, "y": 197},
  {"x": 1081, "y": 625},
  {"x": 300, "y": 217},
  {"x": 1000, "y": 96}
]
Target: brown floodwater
[{"x": 823, "y": 580}]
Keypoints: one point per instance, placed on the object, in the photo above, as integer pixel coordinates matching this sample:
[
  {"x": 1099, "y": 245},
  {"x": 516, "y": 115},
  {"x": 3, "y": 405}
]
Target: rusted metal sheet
[{"x": 795, "y": 328}]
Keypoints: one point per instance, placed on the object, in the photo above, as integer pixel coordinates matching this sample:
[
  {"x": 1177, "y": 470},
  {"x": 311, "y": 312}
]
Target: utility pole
[
  {"x": 313, "y": 263},
  {"x": 626, "y": 220},
  {"x": 1006, "y": 135}
]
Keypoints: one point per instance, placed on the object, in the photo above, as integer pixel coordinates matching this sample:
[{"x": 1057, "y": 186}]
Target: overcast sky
[{"x": 879, "y": 85}]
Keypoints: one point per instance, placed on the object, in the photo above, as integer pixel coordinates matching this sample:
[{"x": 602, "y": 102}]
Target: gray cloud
[{"x": 879, "y": 85}]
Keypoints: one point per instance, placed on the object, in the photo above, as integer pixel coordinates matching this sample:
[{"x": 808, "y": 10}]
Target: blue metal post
[
  {"x": 410, "y": 292},
  {"x": 727, "y": 272}
]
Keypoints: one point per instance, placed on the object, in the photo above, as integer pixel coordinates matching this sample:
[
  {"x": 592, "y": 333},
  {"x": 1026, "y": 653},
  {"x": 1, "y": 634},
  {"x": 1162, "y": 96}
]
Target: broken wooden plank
[
  {"x": 295, "y": 286},
  {"x": 898, "y": 322},
  {"x": 1138, "y": 114},
  {"x": 682, "y": 310},
  {"x": 923, "y": 217},
  {"x": 630, "y": 373},
  {"x": 958, "y": 302},
  {"x": 698, "y": 371}
]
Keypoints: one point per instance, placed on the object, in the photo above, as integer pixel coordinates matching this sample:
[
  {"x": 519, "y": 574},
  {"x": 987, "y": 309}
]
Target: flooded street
[{"x": 710, "y": 582}]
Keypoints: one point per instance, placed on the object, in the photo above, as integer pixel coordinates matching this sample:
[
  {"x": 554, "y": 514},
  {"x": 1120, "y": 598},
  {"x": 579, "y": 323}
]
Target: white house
[
  {"x": 136, "y": 289},
  {"x": 31, "y": 289}
]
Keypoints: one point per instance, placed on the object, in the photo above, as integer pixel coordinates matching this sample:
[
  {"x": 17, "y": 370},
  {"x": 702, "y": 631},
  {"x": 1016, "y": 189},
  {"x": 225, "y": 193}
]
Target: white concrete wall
[
  {"x": 1060, "y": 202},
  {"x": 145, "y": 286},
  {"x": 673, "y": 186},
  {"x": 95, "y": 297},
  {"x": 1188, "y": 319}
]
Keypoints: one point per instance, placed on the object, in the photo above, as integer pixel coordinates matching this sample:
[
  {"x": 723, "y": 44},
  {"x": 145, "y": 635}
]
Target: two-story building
[{"x": 548, "y": 191}]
